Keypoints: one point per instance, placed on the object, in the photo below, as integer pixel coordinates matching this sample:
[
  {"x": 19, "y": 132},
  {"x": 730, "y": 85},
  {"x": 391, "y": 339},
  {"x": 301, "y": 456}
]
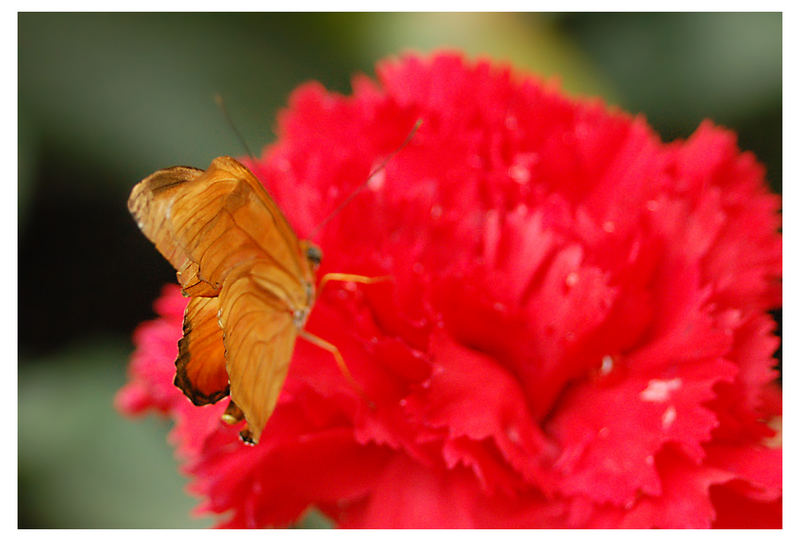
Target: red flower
[{"x": 576, "y": 334}]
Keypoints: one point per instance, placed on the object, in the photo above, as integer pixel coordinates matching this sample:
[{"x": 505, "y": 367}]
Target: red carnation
[{"x": 576, "y": 334}]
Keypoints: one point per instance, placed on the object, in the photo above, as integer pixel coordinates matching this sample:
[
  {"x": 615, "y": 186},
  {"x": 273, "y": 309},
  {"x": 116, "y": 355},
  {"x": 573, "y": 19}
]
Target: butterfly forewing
[
  {"x": 150, "y": 203},
  {"x": 225, "y": 217}
]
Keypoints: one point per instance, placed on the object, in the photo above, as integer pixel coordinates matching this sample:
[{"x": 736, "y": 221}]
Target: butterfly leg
[
  {"x": 327, "y": 346},
  {"x": 233, "y": 414},
  {"x": 343, "y": 277}
]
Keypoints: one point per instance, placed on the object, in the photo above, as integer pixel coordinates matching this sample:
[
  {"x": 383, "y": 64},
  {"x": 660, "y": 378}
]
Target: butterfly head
[{"x": 314, "y": 255}]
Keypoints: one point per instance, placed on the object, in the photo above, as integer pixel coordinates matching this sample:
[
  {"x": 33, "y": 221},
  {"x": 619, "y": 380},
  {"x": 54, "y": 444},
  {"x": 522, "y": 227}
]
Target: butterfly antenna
[
  {"x": 221, "y": 105},
  {"x": 374, "y": 172}
]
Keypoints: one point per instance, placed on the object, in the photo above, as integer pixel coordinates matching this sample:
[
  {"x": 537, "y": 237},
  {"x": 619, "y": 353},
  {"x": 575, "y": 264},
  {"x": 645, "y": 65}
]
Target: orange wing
[
  {"x": 200, "y": 366},
  {"x": 259, "y": 334},
  {"x": 150, "y": 204},
  {"x": 207, "y": 222}
]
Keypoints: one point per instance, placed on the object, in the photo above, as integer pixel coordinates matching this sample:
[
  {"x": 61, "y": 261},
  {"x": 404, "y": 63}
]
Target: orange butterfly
[{"x": 250, "y": 279}]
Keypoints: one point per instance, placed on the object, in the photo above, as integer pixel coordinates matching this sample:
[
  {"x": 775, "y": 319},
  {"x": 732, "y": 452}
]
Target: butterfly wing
[
  {"x": 150, "y": 204},
  {"x": 259, "y": 335},
  {"x": 207, "y": 222},
  {"x": 200, "y": 367}
]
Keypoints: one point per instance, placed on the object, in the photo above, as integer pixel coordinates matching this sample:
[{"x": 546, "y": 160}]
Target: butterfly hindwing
[
  {"x": 259, "y": 335},
  {"x": 200, "y": 366}
]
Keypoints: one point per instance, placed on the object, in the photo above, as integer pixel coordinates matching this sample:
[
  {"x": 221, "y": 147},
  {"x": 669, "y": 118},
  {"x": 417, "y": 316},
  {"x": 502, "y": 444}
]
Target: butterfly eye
[{"x": 314, "y": 255}]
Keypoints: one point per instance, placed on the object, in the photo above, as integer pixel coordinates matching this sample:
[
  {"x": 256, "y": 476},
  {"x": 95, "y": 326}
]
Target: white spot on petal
[
  {"x": 571, "y": 279},
  {"x": 669, "y": 417},
  {"x": 436, "y": 212},
  {"x": 649, "y": 460},
  {"x": 377, "y": 180},
  {"x": 609, "y": 226},
  {"x": 658, "y": 390},
  {"x": 513, "y": 433},
  {"x": 520, "y": 168},
  {"x": 519, "y": 173},
  {"x": 607, "y": 365},
  {"x": 603, "y": 432}
]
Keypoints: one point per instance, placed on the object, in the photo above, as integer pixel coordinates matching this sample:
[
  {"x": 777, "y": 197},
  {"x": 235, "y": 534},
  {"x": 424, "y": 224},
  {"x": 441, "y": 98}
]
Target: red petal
[
  {"x": 409, "y": 496},
  {"x": 735, "y": 510},
  {"x": 470, "y": 395},
  {"x": 642, "y": 411}
]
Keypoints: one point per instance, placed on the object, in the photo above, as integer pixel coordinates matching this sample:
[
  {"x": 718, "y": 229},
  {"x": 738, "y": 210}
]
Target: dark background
[{"x": 106, "y": 99}]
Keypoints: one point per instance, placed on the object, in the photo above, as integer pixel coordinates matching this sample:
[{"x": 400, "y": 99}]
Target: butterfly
[{"x": 250, "y": 280}]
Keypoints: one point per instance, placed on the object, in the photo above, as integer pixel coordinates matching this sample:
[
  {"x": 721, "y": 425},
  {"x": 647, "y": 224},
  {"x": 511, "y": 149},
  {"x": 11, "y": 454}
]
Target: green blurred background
[{"x": 105, "y": 99}]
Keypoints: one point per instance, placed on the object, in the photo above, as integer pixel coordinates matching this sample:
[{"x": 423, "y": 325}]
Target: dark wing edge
[{"x": 200, "y": 367}]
